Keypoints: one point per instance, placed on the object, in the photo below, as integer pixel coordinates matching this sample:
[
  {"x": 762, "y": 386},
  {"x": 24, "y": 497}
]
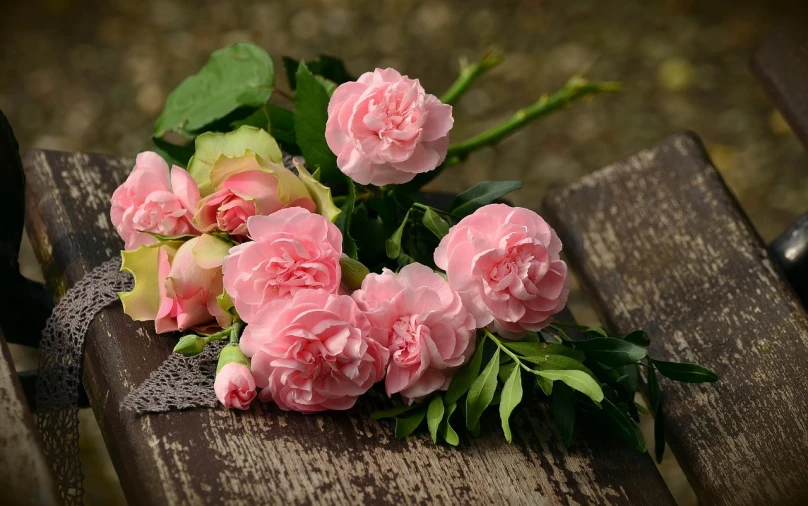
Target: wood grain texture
[
  {"x": 662, "y": 245},
  {"x": 25, "y": 477},
  {"x": 266, "y": 456},
  {"x": 781, "y": 65}
]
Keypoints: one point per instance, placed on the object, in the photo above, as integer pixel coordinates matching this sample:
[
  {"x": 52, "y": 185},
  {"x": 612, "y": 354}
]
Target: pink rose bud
[
  {"x": 235, "y": 386},
  {"x": 152, "y": 200},
  {"x": 291, "y": 250},
  {"x": 430, "y": 332},
  {"x": 385, "y": 129},
  {"x": 504, "y": 262},
  {"x": 248, "y": 186},
  {"x": 313, "y": 352}
]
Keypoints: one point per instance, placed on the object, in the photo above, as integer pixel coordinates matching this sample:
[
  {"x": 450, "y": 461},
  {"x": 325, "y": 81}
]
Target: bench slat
[
  {"x": 269, "y": 456},
  {"x": 25, "y": 477},
  {"x": 662, "y": 245}
]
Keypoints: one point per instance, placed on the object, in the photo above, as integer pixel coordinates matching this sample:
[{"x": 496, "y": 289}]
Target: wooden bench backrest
[{"x": 661, "y": 244}]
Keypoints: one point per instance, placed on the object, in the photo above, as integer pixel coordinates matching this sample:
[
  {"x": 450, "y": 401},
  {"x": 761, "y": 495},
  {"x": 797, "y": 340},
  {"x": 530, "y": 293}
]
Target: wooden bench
[{"x": 269, "y": 456}]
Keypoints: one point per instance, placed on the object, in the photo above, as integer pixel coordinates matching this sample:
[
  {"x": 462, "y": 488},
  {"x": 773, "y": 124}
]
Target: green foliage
[
  {"x": 481, "y": 194},
  {"x": 624, "y": 426},
  {"x": 323, "y": 66},
  {"x": 464, "y": 376},
  {"x": 612, "y": 351},
  {"x": 564, "y": 412},
  {"x": 510, "y": 398},
  {"x": 435, "y": 223},
  {"x": 393, "y": 244},
  {"x": 310, "y": 117},
  {"x": 434, "y": 416},
  {"x": 482, "y": 391},
  {"x": 687, "y": 373},
  {"x": 343, "y": 221},
  {"x": 241, "y": 75}
]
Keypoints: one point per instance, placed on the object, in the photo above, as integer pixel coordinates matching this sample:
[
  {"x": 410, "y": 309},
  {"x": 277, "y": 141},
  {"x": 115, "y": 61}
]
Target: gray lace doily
[
  {"x": 59, "y": 376},
  {"x": 179, "y": 383}
]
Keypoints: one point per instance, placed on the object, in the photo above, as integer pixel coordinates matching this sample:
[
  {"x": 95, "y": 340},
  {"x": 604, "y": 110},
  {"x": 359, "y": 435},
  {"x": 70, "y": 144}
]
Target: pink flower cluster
[{"x": 251, "y": 246}]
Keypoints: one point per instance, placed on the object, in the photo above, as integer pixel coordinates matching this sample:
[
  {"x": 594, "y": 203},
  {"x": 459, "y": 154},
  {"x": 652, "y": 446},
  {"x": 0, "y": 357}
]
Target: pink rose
[
  {"x": 189, "y": 286},
  {"x": 385, "y": 129},
  {"x": 151, "y": 200},
  {"x": 504, "y": 262},
  {"x": 248, "y": 186},
  {"x": 291, "y": 250},
  {"x": 430, "y": 332},
  {"x": 313, "y": 352},
  {"x": 235, "y": 386}
]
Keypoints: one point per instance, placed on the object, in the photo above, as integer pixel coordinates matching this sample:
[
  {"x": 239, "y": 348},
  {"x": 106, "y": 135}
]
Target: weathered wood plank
[
  {"x": 25, "y": 477},
  {"x": 781, "y": 65},
  {"x": 269, "y": 456},
  {"x": 662, "y": 245}
]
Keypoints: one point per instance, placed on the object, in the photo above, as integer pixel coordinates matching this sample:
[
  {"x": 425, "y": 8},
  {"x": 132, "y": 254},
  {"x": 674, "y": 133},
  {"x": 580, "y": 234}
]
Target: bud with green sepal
[
  {"x": 230, "y": 354},
  {"x": 190, "y": 345}
]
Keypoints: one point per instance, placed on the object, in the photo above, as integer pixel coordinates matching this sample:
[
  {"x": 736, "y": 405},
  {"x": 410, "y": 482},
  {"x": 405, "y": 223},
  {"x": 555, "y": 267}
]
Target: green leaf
[
  {"x": 407, "y": 425},
  {"x": 559, "y": 363},
  {"x": 258, "y": 119},
  {"x": 564, "y": 412},
  {"x": 163, "y": 237},
  {"x": 482, "y": 391},
  {"x": 578, "y": 380},
  {"x": 434, "y": 415},
  {"x": 655, "y": 401},
  {"x": 611, "y": 351},
  {"x": 343, "y": 222},
  {"x": 505, "y": 368},
  {"x": 624, "y": 426},
  {"x": 541, "y": 349},
  {"x": 545, "y": 384},
  {"x": 638, "y": 337},
  {"x": 687, "y": 373},
  {"x": 282, "y": 128},
  {"x": 642, "y": 409},
  {"x": 435, "y": 223},
  {"x": 390, "y": 413},
  {"x": 328, "y": 67},
  {"x": 393, "y": 245},
  {"x": 311, "y": 114},
  {"x": 446, "y": 431},
  {"x": 510, "y": 398},
  {"x": 481, "y": 194},
  {"x": 173, "y": 154},
  {"x": 596, "y": 331},
  {"x": 241, "y": 75},
  {"x": 465, "y": 376}
]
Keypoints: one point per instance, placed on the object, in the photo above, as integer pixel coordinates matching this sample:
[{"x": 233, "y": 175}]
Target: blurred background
[{"x": 93, "y": 76}]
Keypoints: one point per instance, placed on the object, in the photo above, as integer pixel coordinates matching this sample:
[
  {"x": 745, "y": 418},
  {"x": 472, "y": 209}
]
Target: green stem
[
  {"x": 508, "y": 352},
  {"x": 235, "y": 331},
  {"x": 563, "y": 335},
  {"x": 469, "y": 73},
  {"x": 576, "y": 88}
]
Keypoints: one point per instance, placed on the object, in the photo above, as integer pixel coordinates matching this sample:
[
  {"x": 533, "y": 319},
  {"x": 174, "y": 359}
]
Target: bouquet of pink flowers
[{"x": 299, "y": 235}]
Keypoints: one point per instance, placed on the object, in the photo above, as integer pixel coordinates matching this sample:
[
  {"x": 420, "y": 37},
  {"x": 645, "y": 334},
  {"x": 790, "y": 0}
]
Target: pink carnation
[
  {"x": 235, "y": 386},
  {"x": 313, "y": 352},
  {"x": 152, "y": 200},
  {"x": 430, "y": 332},
  {"x": 504, "y": 262},
  {"x": 292, "y": 249},
  {"x": 385, "y": 129}
]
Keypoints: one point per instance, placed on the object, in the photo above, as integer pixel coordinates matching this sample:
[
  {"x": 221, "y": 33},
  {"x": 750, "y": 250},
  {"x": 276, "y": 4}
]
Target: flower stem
[
  {"x": 235, "y": 331},
  {"x": 508, "y": 352},
  {"x": 577, "y": 87},
  {"x": 469, "y": 73}
]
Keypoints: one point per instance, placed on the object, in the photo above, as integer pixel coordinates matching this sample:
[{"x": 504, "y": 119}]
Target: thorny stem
[
  {"x": 577, "y": 87},
  {"x": 469, "y": 73}
]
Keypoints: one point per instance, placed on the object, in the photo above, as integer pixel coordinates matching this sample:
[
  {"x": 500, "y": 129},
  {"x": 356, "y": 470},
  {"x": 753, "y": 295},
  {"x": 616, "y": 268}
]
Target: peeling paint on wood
[
  {"x": 662, "y": 244},
  {"x": 266, "y": 456}
]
